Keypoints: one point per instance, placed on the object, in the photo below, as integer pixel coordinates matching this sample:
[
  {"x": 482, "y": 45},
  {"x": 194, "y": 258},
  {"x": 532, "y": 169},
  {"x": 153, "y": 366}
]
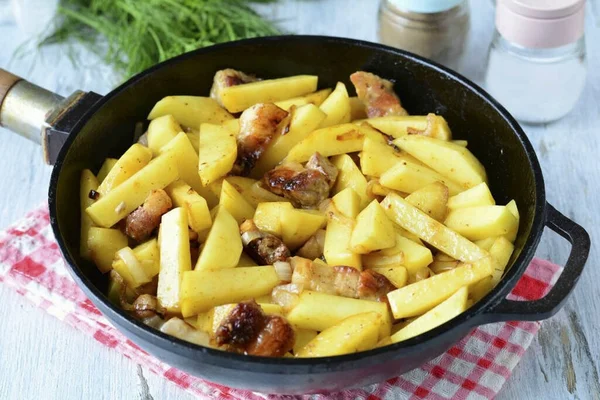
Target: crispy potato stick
[
  {"x": 204, "y": 289},
  {"x": 450, "y": 308},
  {"x": 107, "y": 166},
  {"x": 133, "y": 160},
  {"x": 356, "y": 333},
  {"x": 184, "y": 196},
  {"x": 316, "y": 99},
  {"x": 234, "y": 202},
  {"x": 175, "y": 258},
  {"x": 452, "y": 161},
  {"x": 430, "y": 230},
  {"x": 190, "y": 111},
  {"x": 128, "y": 196},
  {"x": 87, "y": 184},
  {"x": 330, "y": 141},
  {"x": 187, "y": 164},
  {"x": 420, "y": 297},
  {"x": 161, "y": 131},
  {"x": 103, "y": 243},
  {"x": 218, "y": 151},
  {"x": 238, "y": 98},
  {"x": 223, "y": 245},
  {"x": 336, "y": 107},
  {"x": 320, "y": 311}
]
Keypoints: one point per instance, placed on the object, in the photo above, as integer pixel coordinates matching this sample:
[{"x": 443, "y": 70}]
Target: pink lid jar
[{"x": 536, "y": 63}]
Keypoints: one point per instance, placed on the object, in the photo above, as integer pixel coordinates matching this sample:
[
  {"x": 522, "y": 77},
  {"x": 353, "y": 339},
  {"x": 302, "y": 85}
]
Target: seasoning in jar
[
  {"x": 536, "y": 62},
  {"x": 435, "y": 29}
]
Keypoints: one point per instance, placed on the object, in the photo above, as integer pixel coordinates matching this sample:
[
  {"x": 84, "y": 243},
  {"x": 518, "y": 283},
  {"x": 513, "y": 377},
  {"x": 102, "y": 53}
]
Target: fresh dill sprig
[{"x": 132, "y": 35}]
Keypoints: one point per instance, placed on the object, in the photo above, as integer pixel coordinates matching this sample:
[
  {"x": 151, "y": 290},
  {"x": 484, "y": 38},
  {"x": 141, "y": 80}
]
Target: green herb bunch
[{"x": 132, "y": 35}]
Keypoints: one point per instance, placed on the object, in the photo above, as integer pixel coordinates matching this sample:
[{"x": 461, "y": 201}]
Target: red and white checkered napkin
[{"x": 475, "y": 368}]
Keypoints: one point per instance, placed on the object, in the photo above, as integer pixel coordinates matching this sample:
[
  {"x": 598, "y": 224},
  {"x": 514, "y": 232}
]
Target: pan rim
[{"x": 473, "y": 317}]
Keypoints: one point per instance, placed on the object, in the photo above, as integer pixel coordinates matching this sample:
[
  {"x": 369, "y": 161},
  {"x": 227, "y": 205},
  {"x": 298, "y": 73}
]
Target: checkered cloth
[{"x": 475, "y": 368}]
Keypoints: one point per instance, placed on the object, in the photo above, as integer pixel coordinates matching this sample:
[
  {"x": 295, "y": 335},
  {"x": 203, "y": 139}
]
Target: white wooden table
[{"x": 41, "y": 358}]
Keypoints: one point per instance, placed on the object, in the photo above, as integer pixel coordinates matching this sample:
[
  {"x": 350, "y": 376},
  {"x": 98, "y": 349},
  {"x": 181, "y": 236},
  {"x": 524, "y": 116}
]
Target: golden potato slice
[
  {"x": 397, "y": 126},
  {"x": 320, "y": 311},
  {"x": 223, "y": 245},
  {"x": 129, "y": 195},
  {"x": 377, "y": 156},
  {"x": 431, "y": 199},
  {"x": 444, "y": 312},
  {"x": 478, "y": 195},
  {"x": 347, "y": 202},
  {"x": 190, "y": 111},
  {"x": 397, "y": 275},
  {"x": 303, "y": 337},
  {"x": 481, "y": 222},
  {"x": 87, "y": 183},
  {"x": 336, "y": 107},
  {"x": 196, "y": 206},
  {"x": 337, "y": 249},
  {"x": 357, "y": 109},
  {"x": 107, "y": 166},
  {"x": 234, "y": 202},
  {"x": 349, "y": 176},
  {"x": 133, "y": 160},
  {"x": 297, "y": 226},
  {"x": 187, "y": 164},
  {"x": 203, "y": 289},
  {"x": 408, "y": 177},
  {"x": 330, "y": 141},
  {"x": 420, "y": 297},
  {"x": 512, "y": 207},
  {"x": 500, "y": 251},
  {"x": 414, "y": 256},
  {"x": 218, "y": 152},
  {"x": 161, "y": 131},
  {"x": 354, "y": 334},
  {"x": 450, "y": 160},
  {"x": 373, "y": 230},
  {"x": 268, "y": 216},
  {"x": 103, "y": 244},
  {"x": 429, "y": 230},
  {"x": 238, "y": 98},
  {"x": 316, "y": 99},
  {"x": 175, "y": 258}
]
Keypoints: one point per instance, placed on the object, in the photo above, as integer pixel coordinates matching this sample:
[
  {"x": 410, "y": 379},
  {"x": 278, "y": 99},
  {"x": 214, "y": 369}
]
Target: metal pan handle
[
  {"x": 508, "y": 310},
  {"x": 38, "y": 114},
  {"x": 24, "y": 106}
]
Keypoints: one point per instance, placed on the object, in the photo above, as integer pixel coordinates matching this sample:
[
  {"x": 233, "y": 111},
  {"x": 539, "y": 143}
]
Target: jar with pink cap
[{"x": 536, "y": 63}]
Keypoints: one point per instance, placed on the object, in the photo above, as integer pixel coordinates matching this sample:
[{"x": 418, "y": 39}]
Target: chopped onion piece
[
  {"x": 284, "y": 271},
  {"x": 134, "y": 267},
  {"x": 251, "y": 235},
  {"x": 287, "y": 295},
  {"x": 178, "y": 328}
]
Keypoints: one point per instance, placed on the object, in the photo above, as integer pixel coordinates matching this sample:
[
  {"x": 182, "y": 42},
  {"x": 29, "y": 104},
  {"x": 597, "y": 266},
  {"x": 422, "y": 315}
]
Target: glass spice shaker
[
  {"x": 435, "y": 29},
  {"x": 536, "y": 62}
]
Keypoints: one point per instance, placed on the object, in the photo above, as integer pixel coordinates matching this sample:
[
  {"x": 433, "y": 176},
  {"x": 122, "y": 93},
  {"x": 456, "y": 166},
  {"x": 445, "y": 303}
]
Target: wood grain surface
[{"x": 41, "y": 358}]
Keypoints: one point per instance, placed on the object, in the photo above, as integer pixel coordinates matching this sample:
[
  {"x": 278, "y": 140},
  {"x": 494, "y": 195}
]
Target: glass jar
[
  {"x": 435, "y": 29},
  {"x": 536, "y": 62}
]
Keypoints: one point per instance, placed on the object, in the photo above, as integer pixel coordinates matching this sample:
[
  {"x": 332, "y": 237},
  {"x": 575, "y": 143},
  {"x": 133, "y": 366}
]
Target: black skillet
[{"x": 94, "y": 127}]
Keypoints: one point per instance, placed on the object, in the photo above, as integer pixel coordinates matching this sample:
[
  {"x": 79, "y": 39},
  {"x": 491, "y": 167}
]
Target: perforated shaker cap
[
  {"x": 540, "y": 23},
  {"x": 425, "y": 6}
]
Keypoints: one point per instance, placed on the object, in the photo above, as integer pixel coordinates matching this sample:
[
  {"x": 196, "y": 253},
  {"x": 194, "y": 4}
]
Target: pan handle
[
  {"x": 24, "y": 107},
  {"x": 40, "y": 115},
  {"x": 546, "y": 307}
]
